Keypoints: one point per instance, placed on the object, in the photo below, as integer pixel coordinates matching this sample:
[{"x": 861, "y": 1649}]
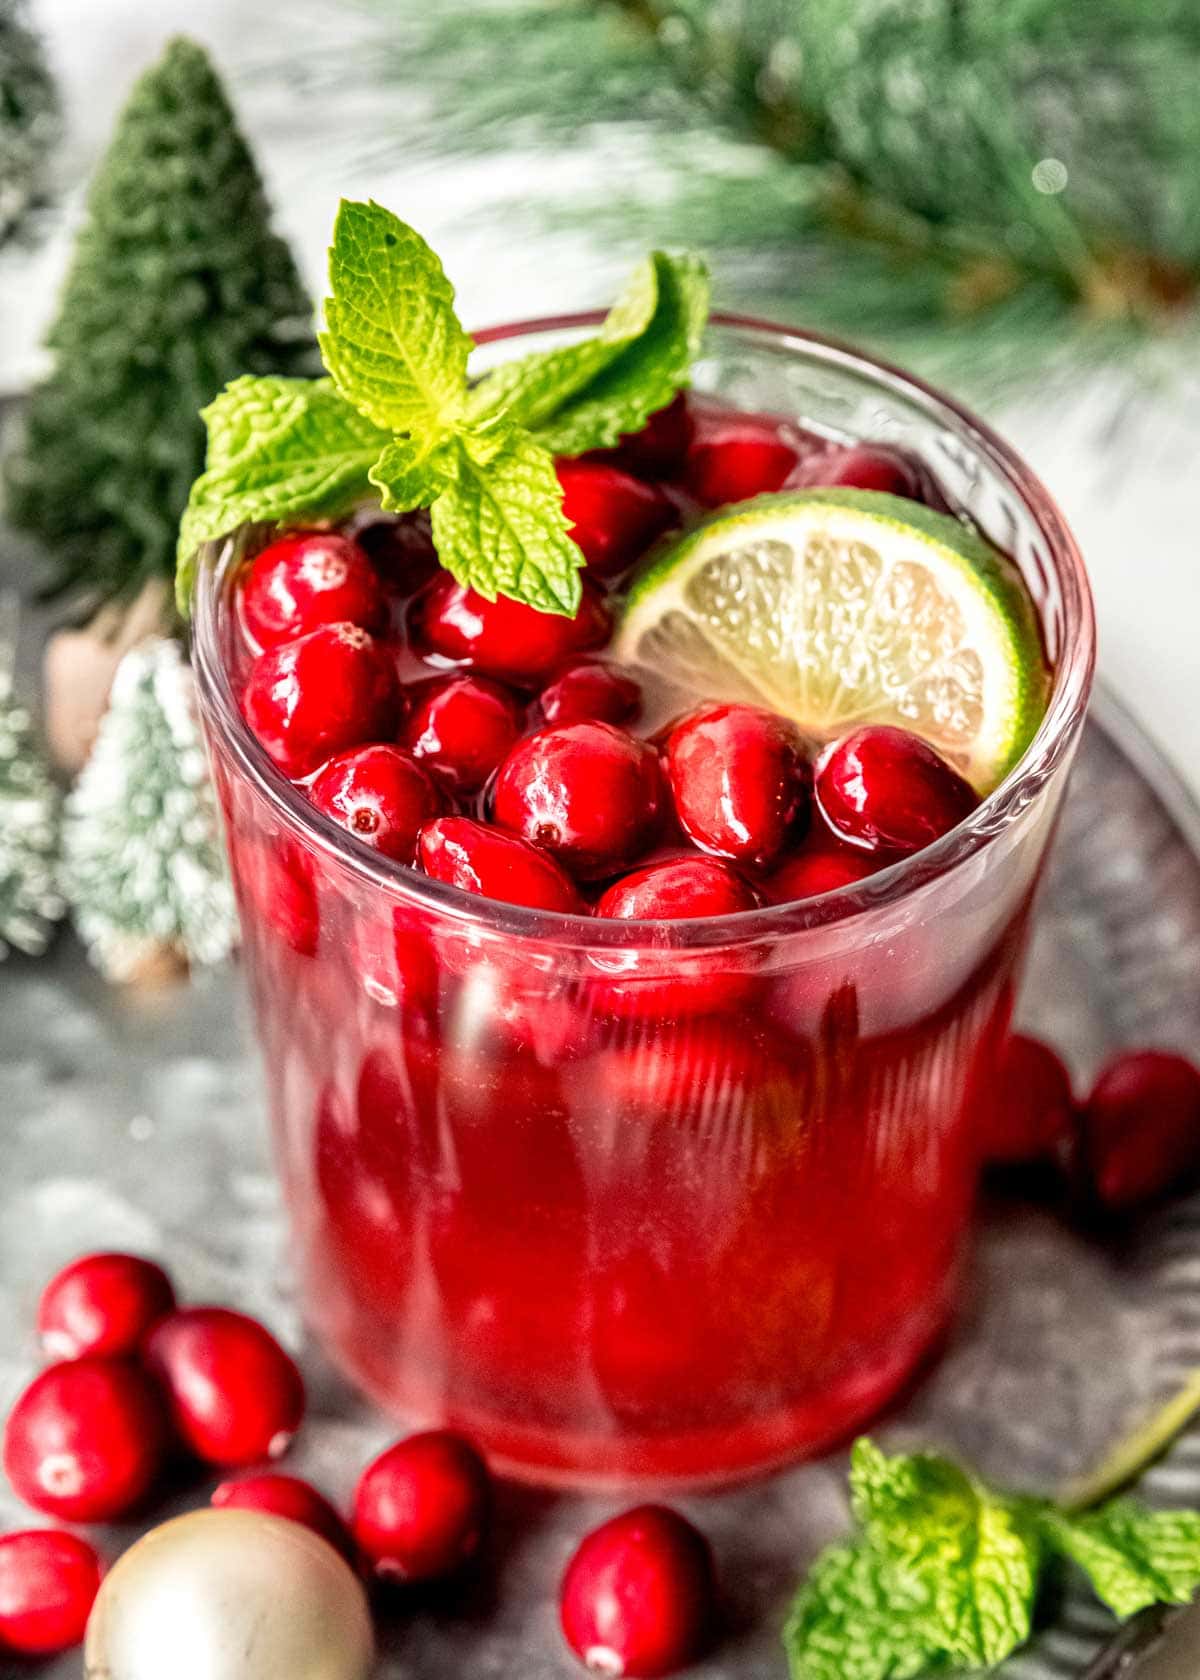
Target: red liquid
[{"x": 683, "y": 1217}]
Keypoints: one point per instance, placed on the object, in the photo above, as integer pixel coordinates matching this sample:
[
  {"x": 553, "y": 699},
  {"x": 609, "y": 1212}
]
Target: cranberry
[
  {"x": 277, "y": 880},
  {"x": 236, "y": 1396},
  {"x": 600, "y": 693},
  {"x": 86, "y": 1440},
  {"x": 639, "y": 1596},
  {"x": 48, "y": 1583},
  {"x": 657, "y": 451},
  {"x": 380, "y": 796},
  {"x": 1141, "y": 1128},
  {"x": 736, "y": 456},
  {"x": 479, "y": 859},
  {"x": 816, "y": 870},
  {"x": 504, "y": 638},
  {"x": 421, "y": 1508},
  {"x": 588, "y": 792},
  {"x": 308, "y": 699},
  {"x": 401, "y": 549},
  {"x": 1030, "y": 1113},
  {"x": 103, "y": 1303},
  {"x": 614, "y": 518},
  {"x": 886, "y": 790},
  {"x": 677, "y": 888},
  {"x": 303, "y": 581},
  {"x": 288, "y": 1496},
  {"x": 740, "y": 781},
  {"x": 461, "y": 728},
  {"x": 859, "y": 468}
]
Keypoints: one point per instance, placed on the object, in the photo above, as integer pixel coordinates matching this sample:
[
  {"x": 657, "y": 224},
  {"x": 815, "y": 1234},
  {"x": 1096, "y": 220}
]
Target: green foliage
[
  {"x": 177, "y": 286},
  {"x": 1131, "y": 1556},
  {"x": 29, "y": 119},
  {"x": 398, "y": 414},
  {"x": 143, "y": 855},
  {"x": 30, "y": 903}
]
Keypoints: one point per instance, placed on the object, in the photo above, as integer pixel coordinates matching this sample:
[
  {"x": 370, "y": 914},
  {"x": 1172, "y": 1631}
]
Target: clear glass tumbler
[{"x": 648, "y": 1201}]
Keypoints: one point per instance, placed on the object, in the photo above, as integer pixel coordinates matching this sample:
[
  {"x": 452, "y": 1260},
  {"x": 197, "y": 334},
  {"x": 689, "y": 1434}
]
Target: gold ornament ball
[{"x": 230, "y": 1595}]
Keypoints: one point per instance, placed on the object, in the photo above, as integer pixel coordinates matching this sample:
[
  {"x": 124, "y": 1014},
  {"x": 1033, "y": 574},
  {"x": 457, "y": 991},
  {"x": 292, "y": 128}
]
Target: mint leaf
[
  {"x": 277, "y": 448},
  {"x": 976, "y": 1553},
  {"x": 410, "y": 475},
  {"x": 392, "y": 342},
  {"x": 585, "y": 396},
  {"x": 499, "y": 526},
  {"x": 861, "y": 1617},
  {"x": 1133, "y": 1557}
]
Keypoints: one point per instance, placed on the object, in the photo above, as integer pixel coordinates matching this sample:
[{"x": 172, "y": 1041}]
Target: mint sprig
[
  {"x": 398, "y": 415},
  {"x": 944, "y": 1571}
]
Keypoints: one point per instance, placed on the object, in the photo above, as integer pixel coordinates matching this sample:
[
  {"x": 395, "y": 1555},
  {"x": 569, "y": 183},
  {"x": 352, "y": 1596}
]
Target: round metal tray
[{"x": 137, "y": 1122}]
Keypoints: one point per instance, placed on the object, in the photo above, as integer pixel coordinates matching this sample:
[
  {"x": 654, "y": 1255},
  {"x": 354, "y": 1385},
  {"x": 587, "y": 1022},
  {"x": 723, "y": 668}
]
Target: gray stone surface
[{"x": 138, "y": 1121}]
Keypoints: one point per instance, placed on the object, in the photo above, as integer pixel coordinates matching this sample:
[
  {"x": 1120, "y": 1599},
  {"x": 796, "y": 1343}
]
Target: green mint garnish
[
  {"x": 944, "y": 1572},
  {"x": 398, "y": 415}
]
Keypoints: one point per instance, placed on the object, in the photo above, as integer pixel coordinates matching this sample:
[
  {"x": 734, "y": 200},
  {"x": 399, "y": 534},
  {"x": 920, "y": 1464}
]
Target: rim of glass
[{"x": 1044, "y": 755}]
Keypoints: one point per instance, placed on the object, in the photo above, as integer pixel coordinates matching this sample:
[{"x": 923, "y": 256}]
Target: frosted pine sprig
[{"x": 30, "y": 902}]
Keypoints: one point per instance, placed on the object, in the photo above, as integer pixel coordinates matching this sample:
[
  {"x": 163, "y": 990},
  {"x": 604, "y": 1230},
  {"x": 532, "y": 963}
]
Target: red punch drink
[{"x": 628, "y": 983}]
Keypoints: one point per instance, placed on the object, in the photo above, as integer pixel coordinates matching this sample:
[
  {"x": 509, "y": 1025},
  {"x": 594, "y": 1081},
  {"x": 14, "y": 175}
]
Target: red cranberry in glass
[
  {"x": 888, "y": 791},
  {"x": 504, "y": 638},
  {"x": 676, "y": 888},
  {"x": 304, "y": 581},
  {"x": 421, "y": 1508},
  {"x": 597, "y": 692},
  {"x": 614, "y": 518},
  {"x": 1029, "y": 1115},
  {"x": 278, "y": 881},
  {"x": 332, "y": 689},
  {"x": 818, "y": 869},
  {"x": 1140, "y": 1128},
  {"x": 587, "y": 792},
  {"x": 235, "y": 1395},
  {"x": 639, "y": 1596},
  {"x": 287, "y": 1496},
  {"x": 401, "y": 550},
  {"x": 86, "y": 1440},
  {"x": 740, "y": 781},
  {"x": 380, "y": 795},
  {"x": 658, "y": 450},
  {"x": 48, "y": 1584},
  {"x": 102, "y": 1303},
  {"x": 461, "y": 727},
  {"x": 735, "y": 456},
  {"x": 480, "y": 859},
  {"x": 857, "y": 467}
]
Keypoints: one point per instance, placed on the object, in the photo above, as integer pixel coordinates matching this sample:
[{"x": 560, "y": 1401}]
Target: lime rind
[{"x": 847, "y": 606}]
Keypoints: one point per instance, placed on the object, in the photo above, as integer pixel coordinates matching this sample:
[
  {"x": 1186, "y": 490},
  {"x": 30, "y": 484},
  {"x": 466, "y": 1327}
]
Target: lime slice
[{"x": 839, "y": 607}]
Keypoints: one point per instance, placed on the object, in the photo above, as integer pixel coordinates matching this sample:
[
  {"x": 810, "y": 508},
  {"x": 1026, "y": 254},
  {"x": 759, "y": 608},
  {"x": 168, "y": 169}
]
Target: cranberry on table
[
  {"x": 309, "y": 699},
  {"x": 461, "y": 727},
  {"x": 380, "y": 795},
  {"x": 888, "y": 791},
  {"x": 657, "y": 451},
  {"x": 639, "y": 1596},
  {"x": 594, "y": 691},
  {"x": 1030, "y": 1116},
  {"x": 1140, "y": 1128},
  {"x": 504, "y": 638},
  {"x": 735, "y": 456},
  {"x": 290, "y": 1497},
  {"x": 818, "y": 869},
  {"x": 480, "y": 859},
  {"x": 86, "y": 1441},
  {"x": 102, "y": 1303},
  {"x": 675, "y": 888},
  {"x": 740, "y": 781},
  {"x": 588, "y": 792},
  {"x": 613, "y": 517},
  {"x": 303, "y": 581},
  {"x": 857, "y": 467},
  {"x": 421, "y": 1508},
  {"x": 48, "y": 1584},
  {"x": 235, "y": 1396}
]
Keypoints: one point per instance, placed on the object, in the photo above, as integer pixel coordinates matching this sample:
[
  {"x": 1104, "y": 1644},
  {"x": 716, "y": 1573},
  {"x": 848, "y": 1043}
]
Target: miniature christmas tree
[
  {"x": 28, "y": 119},
  {"x": 30, "y": 903},
  {"x": 144, "y": 867},
  {"x": 178, "y": 285}
]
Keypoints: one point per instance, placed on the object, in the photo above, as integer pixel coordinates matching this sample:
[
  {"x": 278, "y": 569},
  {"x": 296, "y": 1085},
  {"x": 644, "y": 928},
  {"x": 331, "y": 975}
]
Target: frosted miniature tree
[
  {"x": 29, "y": 119},
  {"x": 144, "y": 867},
  {"x": 30, "y": 810}
]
